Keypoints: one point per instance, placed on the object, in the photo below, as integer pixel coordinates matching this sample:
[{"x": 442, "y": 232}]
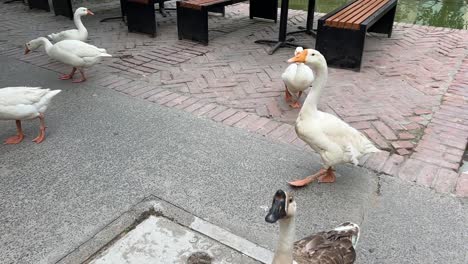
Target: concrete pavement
[
  {"x": 408, "y": 98},
  {"x": 105, "y": 152}
]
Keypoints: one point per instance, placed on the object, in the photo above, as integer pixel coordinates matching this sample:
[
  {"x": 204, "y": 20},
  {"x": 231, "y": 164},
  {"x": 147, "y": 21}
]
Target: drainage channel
[{"x": 155, "y": 231}]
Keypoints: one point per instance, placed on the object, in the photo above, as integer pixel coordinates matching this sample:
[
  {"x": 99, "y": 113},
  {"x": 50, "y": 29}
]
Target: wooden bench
[
  {"x": 341, "y": 34},
  {"x": 192, "y": 15}
]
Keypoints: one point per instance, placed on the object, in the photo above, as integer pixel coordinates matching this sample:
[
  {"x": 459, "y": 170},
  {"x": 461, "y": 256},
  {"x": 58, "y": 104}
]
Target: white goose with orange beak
[
  {"x": 75, "y": 53},
  {"x": 333, "y": 139},
  {"x": 297, "y": 78},
  {"x": 81, "y": 33}
]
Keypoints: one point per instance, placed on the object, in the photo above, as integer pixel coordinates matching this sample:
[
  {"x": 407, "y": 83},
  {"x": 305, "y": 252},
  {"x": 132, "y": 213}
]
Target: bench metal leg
[
  {"x": 192, "y": 24},
  {"x": 63, "y": 8},
  {"x": 265, "y": 9},
  {"x": 218, "y": 9},
  {"x": 309, "y": 28},
  {"x": 341, "y": 48},
  {"x": 39, "y": 4},
  {"x": 141, "y": 18},
  {"x": 385, "y": 24}
]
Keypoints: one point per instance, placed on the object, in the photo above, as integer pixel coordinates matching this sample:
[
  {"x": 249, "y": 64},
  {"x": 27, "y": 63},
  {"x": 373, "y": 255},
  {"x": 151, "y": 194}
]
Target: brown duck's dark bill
[{"x": 278, "y": 207}]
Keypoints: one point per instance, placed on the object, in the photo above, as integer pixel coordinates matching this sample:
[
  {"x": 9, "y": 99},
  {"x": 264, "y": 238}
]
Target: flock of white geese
[{"x": 333, "y": 139}]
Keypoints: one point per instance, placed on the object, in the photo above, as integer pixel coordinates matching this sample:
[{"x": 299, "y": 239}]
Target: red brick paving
[{"x": 409, "y": 98}]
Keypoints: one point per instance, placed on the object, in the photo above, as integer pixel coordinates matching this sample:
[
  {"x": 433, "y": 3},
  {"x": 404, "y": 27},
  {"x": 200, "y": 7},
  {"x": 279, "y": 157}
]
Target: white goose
[
  {"x": 77, "y": 34},
  {"x": 297, "y": 78},
  {"x": 23, "y": 103},
  {"x": 334, "y": 140},
  {"x": 336, "y": 246},
  {"x": 71, "y": 52}
]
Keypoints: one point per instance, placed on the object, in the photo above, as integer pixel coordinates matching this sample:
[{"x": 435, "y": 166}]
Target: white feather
[{"x": 21, "y": 103}]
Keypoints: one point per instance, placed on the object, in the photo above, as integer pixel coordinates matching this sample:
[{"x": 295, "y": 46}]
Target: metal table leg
[
  {"x": 282, "y": 41},
  {"x": 309, "y": 23},
  {"x": 122, "y": 10}
]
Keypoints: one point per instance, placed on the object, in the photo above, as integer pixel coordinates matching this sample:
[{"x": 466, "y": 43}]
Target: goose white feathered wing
[
  {"x": 77, "y": 53},
  {"x": 73, "y": 34},
  {"x": 19, "y": 103},
  {"x": 335, "y": 140}
]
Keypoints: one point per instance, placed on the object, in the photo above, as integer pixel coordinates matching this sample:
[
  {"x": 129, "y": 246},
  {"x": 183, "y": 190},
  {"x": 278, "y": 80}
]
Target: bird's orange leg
[
  {"x": 19, "y": 137},
  {"x": 308, "y": 179},
  {"x": 42, "y": 129},
  {"x": 83, "y": 78},
  {"x": 296, "y": 103},
  {"x": 68, "y": 76},
  {"x": 287, "y": 94},
  {"x": 329, "y": 177}
]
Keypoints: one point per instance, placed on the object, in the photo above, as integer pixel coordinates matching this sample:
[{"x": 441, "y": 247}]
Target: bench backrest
[{"x": 354, "y": 14}]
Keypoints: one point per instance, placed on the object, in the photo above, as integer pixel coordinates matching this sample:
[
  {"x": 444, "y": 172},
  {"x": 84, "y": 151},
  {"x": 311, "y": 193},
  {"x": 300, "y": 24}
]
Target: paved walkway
[
  {"x": 409, "y": 97},
  {"x": 106, "y": 152}
]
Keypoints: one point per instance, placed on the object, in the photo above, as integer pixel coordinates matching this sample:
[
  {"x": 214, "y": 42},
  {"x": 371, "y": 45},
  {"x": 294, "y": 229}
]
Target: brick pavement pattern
[{"x": 409, "y": 98}]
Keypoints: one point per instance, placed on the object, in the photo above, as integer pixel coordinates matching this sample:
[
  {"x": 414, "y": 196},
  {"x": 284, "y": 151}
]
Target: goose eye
[
  {"x": 290, "y": 200},
  {"x": 313, "y": 54}
]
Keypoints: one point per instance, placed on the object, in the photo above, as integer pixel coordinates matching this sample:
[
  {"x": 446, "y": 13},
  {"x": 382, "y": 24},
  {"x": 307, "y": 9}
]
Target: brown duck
[{"x": 336, "y": 246}]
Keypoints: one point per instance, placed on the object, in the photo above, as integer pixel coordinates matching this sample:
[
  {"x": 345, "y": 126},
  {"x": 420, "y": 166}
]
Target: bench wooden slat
[
  {"x": 363, "y": 5},
  {"x": 334, "y": 20},
  {"x": 352, "y": 16},
  {"x": 369, "y": 12}
]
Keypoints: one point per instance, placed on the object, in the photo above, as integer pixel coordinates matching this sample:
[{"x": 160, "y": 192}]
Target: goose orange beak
[
  {"x": 90, "y": 13},
  {"x": 299, "y": 58},
  {"x": 26, "y": 50}
]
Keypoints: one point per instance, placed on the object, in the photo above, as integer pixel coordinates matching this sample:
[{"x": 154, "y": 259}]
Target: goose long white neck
[
  {"x": 79, "y": 25},
  {"x": 311, "y": 102},
  {"x": 284, "y": 248},
  {"x": 46, "y": 43}
]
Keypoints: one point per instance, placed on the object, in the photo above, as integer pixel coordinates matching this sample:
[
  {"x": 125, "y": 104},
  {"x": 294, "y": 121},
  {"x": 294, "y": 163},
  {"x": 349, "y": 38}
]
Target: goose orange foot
[
  {"x": 295, "y": 105},
  {"x": 68, "y": 76},
  {"x": 308, "y": 179},
  {"x": 83, "y": 78},
  {"x": 42, "y": 129},
  {"x": 19, "y": 136},
  {"x": 329, "y": 177},
  {"x": 14, "y": 139}
]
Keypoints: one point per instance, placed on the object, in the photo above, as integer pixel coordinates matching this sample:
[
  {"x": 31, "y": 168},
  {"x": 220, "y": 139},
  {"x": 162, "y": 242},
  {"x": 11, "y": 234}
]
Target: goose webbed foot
[
  {"x": 19, "y": 136},
  {"x": 329, "y": 177},
  {"x": 83, "y": 78},
  {"x": 308, "y": 179},
  {"x": 68, "y": 76},
  {"x": 42, "y": 129}
]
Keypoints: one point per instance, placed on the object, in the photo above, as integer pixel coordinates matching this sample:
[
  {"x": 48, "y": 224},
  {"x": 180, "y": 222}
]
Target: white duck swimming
[
  {"x": 71, "y": 52},
  {"x": 334, "y": 140},
  {"x": 23, "y": 103},
  {"x": 297, "y": 78},
  {"x": 336, "y": 246},
  {"x": 77, "y": 34}
]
